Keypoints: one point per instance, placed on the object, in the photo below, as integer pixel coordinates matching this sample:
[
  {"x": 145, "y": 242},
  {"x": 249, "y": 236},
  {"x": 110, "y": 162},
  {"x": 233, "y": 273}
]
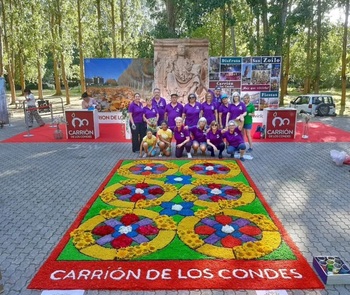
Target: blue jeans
[{"x": 232, "y": 149}]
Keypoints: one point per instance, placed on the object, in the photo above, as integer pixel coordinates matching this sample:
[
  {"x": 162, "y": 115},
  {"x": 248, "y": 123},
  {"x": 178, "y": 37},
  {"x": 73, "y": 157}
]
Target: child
[{"x": 148, "y": 144}]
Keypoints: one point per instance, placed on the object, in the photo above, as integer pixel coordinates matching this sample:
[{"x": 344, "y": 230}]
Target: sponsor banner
[
  {"x": 280, "y": 123},
  {"x": 82, "y": 124},
  {"x": 259, "y": 76},
  {"x": 111, "y": 118}
]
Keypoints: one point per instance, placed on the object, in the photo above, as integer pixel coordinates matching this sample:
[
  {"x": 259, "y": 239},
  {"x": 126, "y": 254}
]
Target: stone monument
[{"x": 181, "y": 66}]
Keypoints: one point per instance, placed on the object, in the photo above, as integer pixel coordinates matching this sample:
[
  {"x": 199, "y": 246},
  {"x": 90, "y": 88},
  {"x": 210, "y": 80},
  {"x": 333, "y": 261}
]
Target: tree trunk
[
  {"x": 81, "y": 53},
  {"x": 232, "y": 31},
  {"x": 40, "y": 80},
  {"x": 258, "y": 47},
  {"x": 122, "y": 26},
  {"x": 285, "y": 71},
  {"x": 318, "y": 49},
  {"x": 1, "y": 53},
  {"x": 64, "y": 78},
  {"x": 307, "y": 79},
  {"x": 282, "y": 23},
  {"x": 21, "y": 72},
  {"x": 56, "y": 73},
  {"x": 99, "y": 27},
  {"x": 223, "y": 32},
  {"x": 344, "y": 63},
  {"x": 9, "y": 65},
  {"x": 170, "y": 9},
  {"x": 265, "y": 22},
  {"x": 114, "y": 42}
]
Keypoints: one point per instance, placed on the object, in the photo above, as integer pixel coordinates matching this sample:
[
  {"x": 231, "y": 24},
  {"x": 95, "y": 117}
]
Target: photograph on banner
[
  {"x": 114, "y": 81},
  {"x": 258, "y": 76}
]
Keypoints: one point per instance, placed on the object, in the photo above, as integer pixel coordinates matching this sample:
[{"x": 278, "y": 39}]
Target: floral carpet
[{"x": 176, "y": 224}]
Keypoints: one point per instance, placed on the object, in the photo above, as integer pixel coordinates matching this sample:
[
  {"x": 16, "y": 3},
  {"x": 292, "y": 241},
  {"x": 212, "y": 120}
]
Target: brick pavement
[{"x": 308, "y": 193}]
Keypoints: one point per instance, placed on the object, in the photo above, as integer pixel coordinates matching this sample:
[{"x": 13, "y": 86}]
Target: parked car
[{"x": 314, "y": 104}]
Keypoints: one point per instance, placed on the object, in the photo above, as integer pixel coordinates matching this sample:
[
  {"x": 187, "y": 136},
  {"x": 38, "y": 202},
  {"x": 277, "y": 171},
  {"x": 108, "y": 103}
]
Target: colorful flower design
[
  {"x": 171, "y": 209},
  {"x": 230, "y": 234},
  {"x": 148, "y": 169},
  {"x": 227, "y": 231},
  {"x": 125, "y": 231},
  {"x": 134, "y": 193},
  {"x": 219, "y": 169},
  {"x": 223, "y": 194}
]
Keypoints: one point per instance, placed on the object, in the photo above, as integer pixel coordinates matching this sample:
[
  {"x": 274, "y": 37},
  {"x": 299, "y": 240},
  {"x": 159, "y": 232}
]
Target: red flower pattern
[
  {"x": 230, "y": 242},
  {"x": 223, "y": 168},
  {"x": 122, "y": 191},
  {"x": 142, "y": 185},
  {"x": 147, "y": 230},
  {"x": 136, "y": 197},
  {"x": 199, "y": 191},
  {"x": 122, "y": 241},
  {"x": 233, "y": 192},
  {"x": 214, "y": 185},
  {"x": 103, "y": 230},
  {"x": 204, "y": 230},
  {"x": 196, "y": 168},
  {"x": 129, "y": 219},
  {"x": 210, "y": 173},
  {"x": 223, "y": 219},
  {"x": 156, "y": 191}
]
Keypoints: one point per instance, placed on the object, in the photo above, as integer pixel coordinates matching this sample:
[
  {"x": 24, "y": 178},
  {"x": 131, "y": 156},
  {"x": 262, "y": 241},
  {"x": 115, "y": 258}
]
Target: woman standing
[
  {"x": 209, "y": 109},
  {"x": 248, "y": 121},
  {"x": 215, "y": 140},
  {"x": 199, "y": 136},
  {"x": 150, "y": 116},
  {"x": 191, "y": 111},
  {"x": 237, "y": 109},
  {"x": 138, "y": 126},
  {"x": 182, "y": 138},
  {"x": 223, "y": 110},
  {"x": 31, "y": 109}
]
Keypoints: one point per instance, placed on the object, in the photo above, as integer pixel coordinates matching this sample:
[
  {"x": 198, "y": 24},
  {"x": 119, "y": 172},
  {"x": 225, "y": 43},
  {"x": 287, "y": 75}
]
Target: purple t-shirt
[
  {"x": 137, "y": 112},
  {"x": 223, "y": 110},
  {"x": 198, "y": 134},
  {"x": 150, "y": 112},
  {"x": 216, "y": 138},
  {"x": 192, "y": 114},
  {"x": 173, "y": 112},
  {"x": 209, "y": 111},
  {"x": 216, "y": 99},
  {"x": 160, "y": 106},
  {"x": 180, "y": 135},
  {"x": 236, "y": 110},
  {"x": 234, "y": 139}
]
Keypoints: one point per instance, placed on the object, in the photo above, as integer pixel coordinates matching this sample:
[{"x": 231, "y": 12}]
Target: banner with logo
[
  {"x": 82, "y": 124},
  {"x": 259, "y": 76}
]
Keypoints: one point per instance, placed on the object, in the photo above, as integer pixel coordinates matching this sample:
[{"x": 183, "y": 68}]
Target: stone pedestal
[{"x": 181, "y": 66}]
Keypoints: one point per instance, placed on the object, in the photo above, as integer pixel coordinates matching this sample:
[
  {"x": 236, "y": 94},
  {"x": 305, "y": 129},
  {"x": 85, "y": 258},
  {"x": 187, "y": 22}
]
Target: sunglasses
[{"x": 192, "y": 97}]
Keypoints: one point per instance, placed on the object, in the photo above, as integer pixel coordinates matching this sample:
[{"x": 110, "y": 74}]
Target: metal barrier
[{"x": 49, "y": 106}]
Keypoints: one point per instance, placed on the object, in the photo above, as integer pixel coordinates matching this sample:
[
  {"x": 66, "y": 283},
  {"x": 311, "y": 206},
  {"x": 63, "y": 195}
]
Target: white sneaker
[
  {"x": 160, "y": 155},
  {"x": 189, "y": 155},
  {"x": 144, "y": 156}
]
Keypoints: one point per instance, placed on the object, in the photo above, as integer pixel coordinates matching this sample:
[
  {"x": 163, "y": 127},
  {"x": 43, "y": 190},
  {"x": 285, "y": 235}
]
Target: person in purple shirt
[
  {"x": 237, "y": 109},
  {"x": 137, "y": 125},
  {"x": 223, "y": 110},
  {"x": 150, "y": 116},
  {"x": 216, "y": 95},
  {"x": 173, "y": 110},
  {"x": 215, "y": 140},
  {"x": 199, "y": 136},
  {"x": 192, "y": 110},
  {"x": 159, "y": 103},
  {"x": 234, "y": 139},
  {"x": 209, "y": 109},
  {"x": 182, "y": 139}
]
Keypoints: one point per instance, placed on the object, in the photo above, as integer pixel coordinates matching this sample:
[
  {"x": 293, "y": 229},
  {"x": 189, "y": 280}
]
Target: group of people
[{"x": 212, "y": 125}]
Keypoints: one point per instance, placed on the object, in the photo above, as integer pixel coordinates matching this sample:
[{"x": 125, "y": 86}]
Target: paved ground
[{"x": 44, "y": 186}]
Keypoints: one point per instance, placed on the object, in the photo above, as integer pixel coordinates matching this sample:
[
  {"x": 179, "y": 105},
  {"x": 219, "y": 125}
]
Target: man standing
[
  {"x": 173, "y": 110},
  {"x": 159, "y": 103}
]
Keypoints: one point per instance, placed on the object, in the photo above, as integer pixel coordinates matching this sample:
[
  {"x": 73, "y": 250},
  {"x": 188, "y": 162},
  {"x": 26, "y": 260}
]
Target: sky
[{"x": 108, "y": 68}]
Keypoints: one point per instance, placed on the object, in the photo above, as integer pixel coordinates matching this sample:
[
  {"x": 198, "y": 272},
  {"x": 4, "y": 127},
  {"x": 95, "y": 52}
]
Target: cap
[
  {"x": 224, "y": 96},
  {"x": 174, "y": 94},
  {"x": 218, "y": 88}
]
